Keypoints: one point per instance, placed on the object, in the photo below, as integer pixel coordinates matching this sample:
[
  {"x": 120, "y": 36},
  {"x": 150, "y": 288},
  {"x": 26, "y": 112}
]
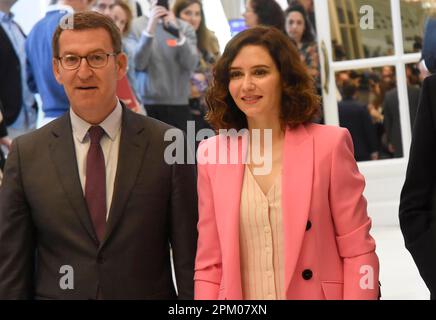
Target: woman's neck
[
  {"x": 274, "y": 128},
  {"x": 265, "y": 146}
]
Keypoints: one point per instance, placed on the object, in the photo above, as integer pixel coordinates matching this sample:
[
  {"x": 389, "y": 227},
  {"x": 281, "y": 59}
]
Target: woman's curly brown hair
[{"x": 300, "y": 103}]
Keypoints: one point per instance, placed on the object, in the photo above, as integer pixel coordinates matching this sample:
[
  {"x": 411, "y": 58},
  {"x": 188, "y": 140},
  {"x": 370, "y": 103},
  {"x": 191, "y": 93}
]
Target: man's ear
[
  {"x": 56, "y": 71},
  {"x": 122, "y": 61}
]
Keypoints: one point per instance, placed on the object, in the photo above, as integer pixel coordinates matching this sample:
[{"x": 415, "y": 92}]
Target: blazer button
[
  {"x": 307, "y": 274},
  {"x": 308, "y": 225}
]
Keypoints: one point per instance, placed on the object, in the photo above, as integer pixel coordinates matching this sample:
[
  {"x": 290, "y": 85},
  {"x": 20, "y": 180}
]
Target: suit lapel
[
  {"x": 133, "y": 145},
  {"x": 229, "y": 178},
  {"x": 63, "y": 155},
  {"x": 297, "y": 179}
]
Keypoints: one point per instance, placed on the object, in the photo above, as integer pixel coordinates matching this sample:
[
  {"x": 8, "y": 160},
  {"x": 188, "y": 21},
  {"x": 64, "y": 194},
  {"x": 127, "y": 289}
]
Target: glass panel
[
  {"x": 414, "y": 14},
  {"x": 341, "y": 15},
  {"x": 366, "y": 42},
  {"x": 350, "y": 12},
  {"x": 345, "y": 42},
  {"x": 415, "y": 75},
  {"x": 362, "y": 95}
]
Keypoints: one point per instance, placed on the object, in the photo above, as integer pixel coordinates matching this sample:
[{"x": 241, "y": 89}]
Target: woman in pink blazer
[{"x": 294, "y": 226}]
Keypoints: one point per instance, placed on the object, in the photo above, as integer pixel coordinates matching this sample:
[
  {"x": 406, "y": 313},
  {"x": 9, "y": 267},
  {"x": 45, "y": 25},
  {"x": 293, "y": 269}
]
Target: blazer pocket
[{"x": 333, "y": 290}]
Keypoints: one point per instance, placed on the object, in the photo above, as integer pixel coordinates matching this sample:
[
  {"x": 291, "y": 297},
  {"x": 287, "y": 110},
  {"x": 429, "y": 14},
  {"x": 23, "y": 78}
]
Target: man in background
[
  {"x": 391, "y": 111},
  {"x": 39, "y": 56},
  {"x": 19, "y": 105},
  {"x": 354, "y": 116}
]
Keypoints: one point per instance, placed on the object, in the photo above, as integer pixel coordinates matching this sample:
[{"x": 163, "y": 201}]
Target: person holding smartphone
[{"x": 165, "y": 57}]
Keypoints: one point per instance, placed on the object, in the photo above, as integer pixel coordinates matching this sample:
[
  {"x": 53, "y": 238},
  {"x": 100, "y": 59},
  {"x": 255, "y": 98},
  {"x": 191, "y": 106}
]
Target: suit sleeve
[
  {"x": 183, "y": 231},
  {"x": 418, "y": 194},
  {"x": 208, "y": 265},
  {"x": 17, "y": 243},
  {"x": 352, "y": 224}
]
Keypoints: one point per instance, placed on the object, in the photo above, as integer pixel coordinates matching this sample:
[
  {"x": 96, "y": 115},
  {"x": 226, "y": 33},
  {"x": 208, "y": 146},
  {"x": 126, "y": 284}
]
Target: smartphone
[
  {"x": 171, "y": 30},
  {"x": 168, "y": 27},
  {"x": 163, "y": 3}
]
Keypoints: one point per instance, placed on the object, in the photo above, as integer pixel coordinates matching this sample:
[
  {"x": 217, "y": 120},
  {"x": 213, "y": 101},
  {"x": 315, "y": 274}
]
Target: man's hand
[
  {"x": 391, "y": 148},
  {"x": 157, "y": 12},
  {"x": 7, "y": 142}
]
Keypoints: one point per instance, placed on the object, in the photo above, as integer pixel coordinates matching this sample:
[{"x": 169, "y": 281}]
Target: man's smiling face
[{"x": 91, "y": 91}]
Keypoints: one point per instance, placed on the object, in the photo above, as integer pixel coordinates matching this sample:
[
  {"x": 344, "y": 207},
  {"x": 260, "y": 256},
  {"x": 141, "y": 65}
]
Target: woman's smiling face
[{"x": 255, "y": 83}]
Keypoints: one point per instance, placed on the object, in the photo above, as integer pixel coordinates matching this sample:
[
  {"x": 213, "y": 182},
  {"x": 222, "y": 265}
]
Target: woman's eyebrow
[{"x": 253, "y": 67}]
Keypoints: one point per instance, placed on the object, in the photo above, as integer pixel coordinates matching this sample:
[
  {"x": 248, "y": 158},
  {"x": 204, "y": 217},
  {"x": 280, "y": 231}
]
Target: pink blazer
[{"x": 329, "y": 253}]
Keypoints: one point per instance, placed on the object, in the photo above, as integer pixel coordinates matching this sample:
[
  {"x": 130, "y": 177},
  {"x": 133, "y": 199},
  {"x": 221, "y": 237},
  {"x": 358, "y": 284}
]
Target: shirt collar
[
  {"x": 111, "y": 125},
  {"x": 6, "y": 17}
]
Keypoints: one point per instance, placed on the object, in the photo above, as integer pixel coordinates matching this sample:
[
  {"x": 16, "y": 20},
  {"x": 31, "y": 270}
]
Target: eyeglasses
[{"x": 94, "y": 60}]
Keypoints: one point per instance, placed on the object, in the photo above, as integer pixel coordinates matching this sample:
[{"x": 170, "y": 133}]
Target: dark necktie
[{"x": 95, "y": 188}]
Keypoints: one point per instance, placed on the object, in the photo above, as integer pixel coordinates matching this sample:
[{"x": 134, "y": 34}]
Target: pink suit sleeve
[{"x": 352, "y": 224}]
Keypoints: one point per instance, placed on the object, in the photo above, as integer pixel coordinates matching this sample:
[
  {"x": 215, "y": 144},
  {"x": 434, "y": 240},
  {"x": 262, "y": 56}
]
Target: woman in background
[
  {"x": 191, "y": 11},
  {"x": 295, "y": 225},
  {"x": 298, "y": 29},
  {"x": 264, "y": 12},
  {"x": 122, "y": 15}
]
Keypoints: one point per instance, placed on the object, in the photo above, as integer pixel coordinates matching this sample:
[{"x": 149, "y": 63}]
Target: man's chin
[
  {"x": 85, "y": 105},
  {"x": 89, "y": 103}
]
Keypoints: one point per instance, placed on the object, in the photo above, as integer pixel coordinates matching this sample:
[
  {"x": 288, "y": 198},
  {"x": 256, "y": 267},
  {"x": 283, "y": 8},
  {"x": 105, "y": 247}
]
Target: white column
[{"x": 216, "y": 21}]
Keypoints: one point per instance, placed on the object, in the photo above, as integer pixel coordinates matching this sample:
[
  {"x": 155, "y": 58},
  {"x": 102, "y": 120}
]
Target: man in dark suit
[
  {"x": 89, "y": 208},
  {"x": 417, "y": 211},
  {"x": 418, "y": 197},
  {"x": 19, "y": 106},
  {"x": 354, "y": 116}
]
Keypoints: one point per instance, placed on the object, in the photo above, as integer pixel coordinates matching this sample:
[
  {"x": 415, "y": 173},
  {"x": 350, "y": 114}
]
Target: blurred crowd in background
[{"x": 171, "y": 57}]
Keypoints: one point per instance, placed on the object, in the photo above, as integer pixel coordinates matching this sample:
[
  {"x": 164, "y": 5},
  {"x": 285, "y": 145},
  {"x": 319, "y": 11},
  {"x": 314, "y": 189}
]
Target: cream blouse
[{"x": 261, "y": 240}]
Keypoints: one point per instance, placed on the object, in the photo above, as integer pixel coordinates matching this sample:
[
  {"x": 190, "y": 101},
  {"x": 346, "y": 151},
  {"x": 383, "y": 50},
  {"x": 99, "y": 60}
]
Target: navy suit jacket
[
  {"x": 354, "y": 116},
  {"x": 10, "y": 80},
  {"x": 418, "y": 196}
]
